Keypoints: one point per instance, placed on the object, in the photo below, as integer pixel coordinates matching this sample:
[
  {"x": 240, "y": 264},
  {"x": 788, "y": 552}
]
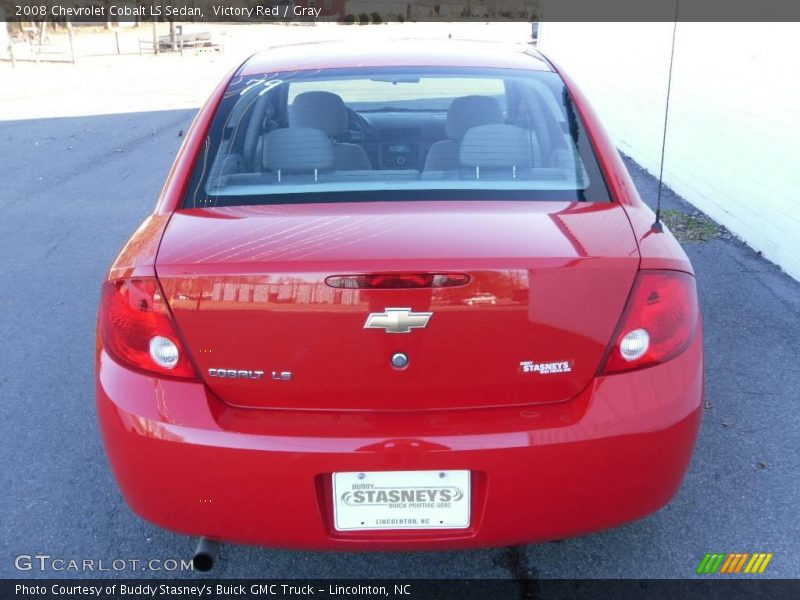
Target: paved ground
[{"x": 72, "y": 191}]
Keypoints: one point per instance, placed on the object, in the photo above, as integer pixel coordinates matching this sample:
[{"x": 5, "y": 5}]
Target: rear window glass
[
  {"x": 345, "y": 135},
  {"x": 422, "y": 93}
]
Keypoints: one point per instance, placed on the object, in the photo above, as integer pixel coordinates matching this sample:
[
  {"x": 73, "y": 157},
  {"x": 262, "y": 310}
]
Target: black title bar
[
  {"x": 400, "y": 589},
  {"x": 377, "y": 11}
]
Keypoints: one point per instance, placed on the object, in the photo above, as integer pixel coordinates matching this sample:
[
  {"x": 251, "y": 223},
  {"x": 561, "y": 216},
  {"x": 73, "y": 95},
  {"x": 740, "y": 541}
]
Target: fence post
[
  {"x": 155, "y": 36},
  {"x": 11, "y": 54},
  {"x": 71, "y": 42},
  {"x": 116, "y": 37}
]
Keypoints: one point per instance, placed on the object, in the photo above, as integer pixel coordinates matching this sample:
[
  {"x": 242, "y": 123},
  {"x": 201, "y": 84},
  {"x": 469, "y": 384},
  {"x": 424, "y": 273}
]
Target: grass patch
[{"x": 690, "y": 227}]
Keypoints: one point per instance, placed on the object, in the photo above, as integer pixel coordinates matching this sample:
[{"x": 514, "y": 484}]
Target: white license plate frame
[{"x": 401, "y": 500}]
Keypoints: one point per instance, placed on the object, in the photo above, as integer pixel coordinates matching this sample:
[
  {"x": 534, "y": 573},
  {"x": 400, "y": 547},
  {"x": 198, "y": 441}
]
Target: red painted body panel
[
  {"x": 658, "y": 250},
  {"x": 261, "y": 303},
  {"x": 138, "y": 257},
  {"x": 193, "y": 464},
  {"x": 547, "y": 461},
  {"x": 398, "y": 53}
]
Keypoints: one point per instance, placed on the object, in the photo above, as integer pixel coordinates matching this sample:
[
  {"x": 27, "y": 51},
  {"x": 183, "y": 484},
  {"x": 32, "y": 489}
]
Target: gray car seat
[
  {"x": 327, "y": 112},
  {"x": 301, "y": 152},
  {"x": 464, "y": 113},
  {"x": 498, "y": 149}
]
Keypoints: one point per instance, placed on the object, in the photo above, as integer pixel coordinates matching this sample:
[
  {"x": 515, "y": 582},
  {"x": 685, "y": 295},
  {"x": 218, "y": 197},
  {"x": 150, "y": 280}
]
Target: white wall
[{"x": 733, "y": 141}]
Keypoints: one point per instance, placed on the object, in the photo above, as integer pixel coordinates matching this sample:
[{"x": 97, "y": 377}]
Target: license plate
[{"x": 401, "y": 500}]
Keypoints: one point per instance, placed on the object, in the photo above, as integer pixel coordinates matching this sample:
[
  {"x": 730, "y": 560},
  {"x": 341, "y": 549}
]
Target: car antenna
[{"x": 657, "y": 226}]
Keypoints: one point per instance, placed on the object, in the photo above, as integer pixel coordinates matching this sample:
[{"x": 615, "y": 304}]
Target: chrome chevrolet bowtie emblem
[{"x": 398, "y": 320}]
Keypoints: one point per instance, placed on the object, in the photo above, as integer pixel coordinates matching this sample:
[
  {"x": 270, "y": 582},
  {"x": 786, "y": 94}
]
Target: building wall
[{"x": 733, "y": 139}]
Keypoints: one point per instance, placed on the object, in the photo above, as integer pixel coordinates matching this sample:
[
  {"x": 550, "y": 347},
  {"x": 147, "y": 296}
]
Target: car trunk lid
[{"x": 547, "y": 284}]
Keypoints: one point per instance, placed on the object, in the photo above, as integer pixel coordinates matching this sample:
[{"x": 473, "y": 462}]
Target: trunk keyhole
[{"x": 400, "y": 361}]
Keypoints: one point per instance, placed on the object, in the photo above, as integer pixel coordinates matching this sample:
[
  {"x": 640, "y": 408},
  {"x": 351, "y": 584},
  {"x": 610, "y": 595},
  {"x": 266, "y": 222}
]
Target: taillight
[
  {"x": 137, "y": 329},
  {"x": 659, "y": 322}
]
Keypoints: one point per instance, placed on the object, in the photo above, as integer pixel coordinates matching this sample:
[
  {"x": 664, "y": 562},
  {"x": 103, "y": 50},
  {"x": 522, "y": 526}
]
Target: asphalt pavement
[{"x": 72, "y": 190}]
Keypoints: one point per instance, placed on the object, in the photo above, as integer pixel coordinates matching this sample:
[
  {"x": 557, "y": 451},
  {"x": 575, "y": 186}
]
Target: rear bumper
[{"x": 192, "y": 464}]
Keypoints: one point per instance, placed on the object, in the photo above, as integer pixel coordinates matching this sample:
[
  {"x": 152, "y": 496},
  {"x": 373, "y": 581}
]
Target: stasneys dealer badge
[{"x": 546, "y": 368}]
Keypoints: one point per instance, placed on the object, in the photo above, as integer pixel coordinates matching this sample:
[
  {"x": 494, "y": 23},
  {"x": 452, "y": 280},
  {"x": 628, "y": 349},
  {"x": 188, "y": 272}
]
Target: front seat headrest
[
  {"x": 319, "y": 110},
  {"x": 467, "y": 112},
  {"x": 496, "y": 146},
  {"x": 297, "y": 149}
]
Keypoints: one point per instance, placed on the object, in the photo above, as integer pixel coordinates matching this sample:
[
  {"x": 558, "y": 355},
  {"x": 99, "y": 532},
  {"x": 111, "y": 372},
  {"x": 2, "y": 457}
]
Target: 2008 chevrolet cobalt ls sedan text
[{"x": 404, "y": 299}]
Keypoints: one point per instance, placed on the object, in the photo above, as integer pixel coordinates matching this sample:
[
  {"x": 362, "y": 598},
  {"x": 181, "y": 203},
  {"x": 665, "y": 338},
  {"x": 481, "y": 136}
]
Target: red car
[{"x": 287, "y": 354}]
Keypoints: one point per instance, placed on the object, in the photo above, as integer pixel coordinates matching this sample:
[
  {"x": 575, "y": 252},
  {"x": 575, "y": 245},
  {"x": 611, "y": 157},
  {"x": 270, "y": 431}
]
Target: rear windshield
[{"x": 395, "y": 134}]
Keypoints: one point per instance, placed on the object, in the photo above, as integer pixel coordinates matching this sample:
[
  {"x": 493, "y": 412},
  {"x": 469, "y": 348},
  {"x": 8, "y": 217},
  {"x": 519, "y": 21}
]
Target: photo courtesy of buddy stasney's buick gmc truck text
[
  {"x": 198, "y": 590},
  {"x": 399, "y": 299}
]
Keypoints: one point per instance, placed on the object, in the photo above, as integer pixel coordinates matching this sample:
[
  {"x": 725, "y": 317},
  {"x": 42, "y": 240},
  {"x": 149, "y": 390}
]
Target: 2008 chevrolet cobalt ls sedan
[{"x": 404, "y": 299}]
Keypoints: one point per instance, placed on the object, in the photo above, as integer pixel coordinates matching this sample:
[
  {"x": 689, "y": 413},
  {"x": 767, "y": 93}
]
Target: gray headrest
[
  {"x": 470, "y": 111},
  {"x": 297, "y": 149},
  {"x": 319, "y": 110},
  {"x": 497, "y": 146}
]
